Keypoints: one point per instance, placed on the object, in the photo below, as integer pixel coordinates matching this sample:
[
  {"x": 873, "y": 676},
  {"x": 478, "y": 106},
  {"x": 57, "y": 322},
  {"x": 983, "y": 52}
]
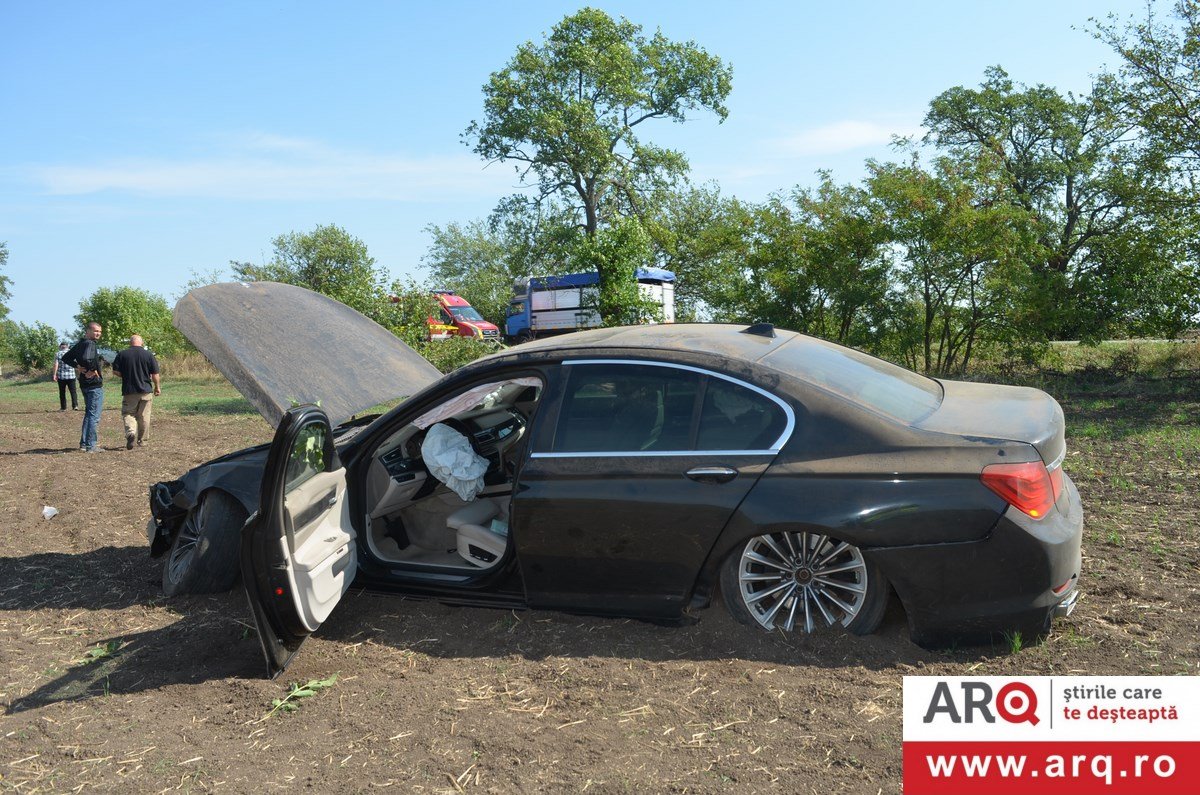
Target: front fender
[{"x": 238, "y": 474}]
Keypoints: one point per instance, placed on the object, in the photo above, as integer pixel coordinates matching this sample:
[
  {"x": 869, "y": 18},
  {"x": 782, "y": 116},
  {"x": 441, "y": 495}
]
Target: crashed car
[{"x": 630, "y": 471}]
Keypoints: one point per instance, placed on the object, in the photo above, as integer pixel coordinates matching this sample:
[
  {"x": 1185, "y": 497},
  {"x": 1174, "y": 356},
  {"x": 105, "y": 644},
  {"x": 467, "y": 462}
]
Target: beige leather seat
[{"x": 477, "y": 544}]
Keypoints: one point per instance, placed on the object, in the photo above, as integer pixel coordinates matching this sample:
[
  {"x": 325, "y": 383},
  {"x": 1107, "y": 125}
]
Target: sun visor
[{"x": 282, "y": 345}]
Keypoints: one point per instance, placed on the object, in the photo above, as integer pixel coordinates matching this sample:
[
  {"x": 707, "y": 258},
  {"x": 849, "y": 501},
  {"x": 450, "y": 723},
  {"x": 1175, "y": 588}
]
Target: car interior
[{"x": 418, "y": 521}]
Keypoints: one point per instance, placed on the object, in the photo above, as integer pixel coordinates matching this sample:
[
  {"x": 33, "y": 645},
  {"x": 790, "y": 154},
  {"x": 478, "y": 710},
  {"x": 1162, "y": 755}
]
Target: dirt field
[{"x": 437, "y": 699}]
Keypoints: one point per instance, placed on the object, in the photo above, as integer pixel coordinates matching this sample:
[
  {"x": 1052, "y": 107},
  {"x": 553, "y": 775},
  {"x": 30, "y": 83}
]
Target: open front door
[{"x": 298, "y": 551}]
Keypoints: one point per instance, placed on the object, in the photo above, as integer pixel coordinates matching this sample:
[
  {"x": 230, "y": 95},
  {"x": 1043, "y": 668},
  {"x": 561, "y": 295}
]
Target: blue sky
[{"x": 145, "y": 142}]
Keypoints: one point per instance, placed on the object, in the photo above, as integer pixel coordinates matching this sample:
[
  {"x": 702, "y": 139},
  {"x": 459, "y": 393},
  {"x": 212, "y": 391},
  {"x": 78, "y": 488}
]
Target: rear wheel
[
  {"x": 803, "y": 582},
  {"x": 204, "y": 555}
]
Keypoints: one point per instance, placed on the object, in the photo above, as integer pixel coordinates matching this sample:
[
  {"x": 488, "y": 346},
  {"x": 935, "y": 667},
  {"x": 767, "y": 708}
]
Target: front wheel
[
  {"x": 204, "y": 555},
  {"x": 803, "y": 582}
]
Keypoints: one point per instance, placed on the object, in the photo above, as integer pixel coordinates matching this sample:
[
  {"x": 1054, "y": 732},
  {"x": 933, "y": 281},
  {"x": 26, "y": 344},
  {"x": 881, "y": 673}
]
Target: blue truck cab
[{"x": 546, "y": 305}]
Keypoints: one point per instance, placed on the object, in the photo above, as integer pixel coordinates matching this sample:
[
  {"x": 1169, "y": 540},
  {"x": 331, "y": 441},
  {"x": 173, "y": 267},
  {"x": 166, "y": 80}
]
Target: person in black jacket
[
  {"x": 140, "y": 382},
  {"x": 85, "y": 358}
]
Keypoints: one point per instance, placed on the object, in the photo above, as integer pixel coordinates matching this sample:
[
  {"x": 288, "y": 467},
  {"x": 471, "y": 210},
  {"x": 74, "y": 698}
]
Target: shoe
[
  {"x": 62, "y": 409},
  {"x": 74, "y": 408},
  {"x": 129, "y": 441},
  {"x": 82, "y": 449},
  {"x": 95, "y": 450},
  {"x": 142, "y": 442}
]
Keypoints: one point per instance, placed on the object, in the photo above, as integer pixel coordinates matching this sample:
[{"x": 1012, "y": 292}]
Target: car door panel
[
  {"x": 622, "y": 534},
  {"x": 298, "y": 551},
  {"x": 322, "y": 551}
]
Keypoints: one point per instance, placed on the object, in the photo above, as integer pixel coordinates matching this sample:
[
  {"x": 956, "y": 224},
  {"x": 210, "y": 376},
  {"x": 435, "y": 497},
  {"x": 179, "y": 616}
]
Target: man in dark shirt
[
  {"x": 85, "y": 358},
  {"x": 140, "y": 382}
]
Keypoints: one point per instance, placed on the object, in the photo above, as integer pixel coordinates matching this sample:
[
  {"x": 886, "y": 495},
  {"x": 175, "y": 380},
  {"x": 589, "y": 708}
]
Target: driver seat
[{"x": 477, "y": 544}]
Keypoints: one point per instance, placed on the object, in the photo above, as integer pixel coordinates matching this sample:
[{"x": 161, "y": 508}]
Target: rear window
[{"x": 864, "y": 379}]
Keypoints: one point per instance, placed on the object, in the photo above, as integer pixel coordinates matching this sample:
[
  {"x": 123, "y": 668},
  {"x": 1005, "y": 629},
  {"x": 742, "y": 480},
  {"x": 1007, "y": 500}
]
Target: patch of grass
[
  {"x": 1013, "y": 641},
  {"x": 202, "y": 398}
]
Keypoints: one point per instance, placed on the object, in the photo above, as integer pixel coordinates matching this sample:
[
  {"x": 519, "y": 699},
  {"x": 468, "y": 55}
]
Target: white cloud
[
  {"x": 843, "y": 136},
  {"x": 264, "y": 166}
]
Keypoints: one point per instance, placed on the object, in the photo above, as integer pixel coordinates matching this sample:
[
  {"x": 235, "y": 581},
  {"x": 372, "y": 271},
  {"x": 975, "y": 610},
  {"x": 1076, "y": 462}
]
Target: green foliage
[
  {"x": 961, "y": 248},
  {"x": 327, "y": 260},
  {"x": 1160, "y": 78},
  {"x": 615, "y": 253},
  {"x": 450, "y": 354},
  {"x": 481, "y": 259},
  {"x": 125, "y": 311},
  {"x": 813, "y": 262},
  {"x": 31, "y": 346},
  {"x": 1074, "y": 164},
  {"x": 406, "y": 312},
  {"x": 696, "y": 235},
  {"x": 297, "y": 692},
  {"x": 566, "y": 113},
  {"x": 5, "y": 282}
]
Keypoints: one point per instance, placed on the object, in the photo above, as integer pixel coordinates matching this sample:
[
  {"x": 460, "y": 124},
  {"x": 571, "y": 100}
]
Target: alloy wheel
[{"x": 802, "y": 580}]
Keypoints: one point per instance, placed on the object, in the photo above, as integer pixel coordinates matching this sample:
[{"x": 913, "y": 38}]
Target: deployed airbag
[{"x": 450, "y": 459}]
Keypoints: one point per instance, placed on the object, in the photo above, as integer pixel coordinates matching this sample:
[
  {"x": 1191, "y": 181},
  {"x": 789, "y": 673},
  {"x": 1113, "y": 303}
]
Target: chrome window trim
[
  {"x": 651, "y": 453},
  {"x": 788, "y": 428}
]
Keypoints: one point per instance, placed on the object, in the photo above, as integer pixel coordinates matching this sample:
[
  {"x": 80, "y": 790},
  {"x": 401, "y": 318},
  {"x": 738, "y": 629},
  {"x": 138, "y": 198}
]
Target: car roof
[{"x": 714, "y": 339}]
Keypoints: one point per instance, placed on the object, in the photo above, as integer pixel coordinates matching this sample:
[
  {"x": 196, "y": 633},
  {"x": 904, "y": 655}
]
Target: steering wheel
[{"x": 454, "y": 423}]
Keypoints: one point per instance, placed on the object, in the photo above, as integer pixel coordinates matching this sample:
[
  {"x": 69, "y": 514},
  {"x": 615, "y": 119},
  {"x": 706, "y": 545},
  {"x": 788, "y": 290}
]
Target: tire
[
  {"x": 203, "y": 558},
  {"x": 803, "y": 582}
]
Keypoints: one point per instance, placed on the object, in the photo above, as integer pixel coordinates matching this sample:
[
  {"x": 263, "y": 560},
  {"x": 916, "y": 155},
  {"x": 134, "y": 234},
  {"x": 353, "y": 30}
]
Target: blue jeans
[{"x": 93, "y": 403}]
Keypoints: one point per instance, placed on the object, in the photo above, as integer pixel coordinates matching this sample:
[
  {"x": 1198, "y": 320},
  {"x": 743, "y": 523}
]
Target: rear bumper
[{"x": 1024, "y": 574}]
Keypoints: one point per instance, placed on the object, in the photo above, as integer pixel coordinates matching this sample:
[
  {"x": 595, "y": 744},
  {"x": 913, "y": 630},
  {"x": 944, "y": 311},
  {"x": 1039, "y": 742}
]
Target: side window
[
  {"x": 626, "y": 408},
  {"x": 736, "y": 418},
  {"x": 447, "y": 319},
  {"x": 307, "y": 457}
]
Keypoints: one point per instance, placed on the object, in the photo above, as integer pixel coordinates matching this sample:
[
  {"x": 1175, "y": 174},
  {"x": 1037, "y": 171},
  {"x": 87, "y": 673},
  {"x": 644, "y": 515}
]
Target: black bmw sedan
[{"x": 630, "y": 471}]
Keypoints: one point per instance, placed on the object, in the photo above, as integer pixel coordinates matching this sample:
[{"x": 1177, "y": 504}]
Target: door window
[
  {"x": 627, "y": 408},
  {"x": 735, "y": 418},
  {"x": 636, "y": 408},
  {"x": 308, "y": 455}
]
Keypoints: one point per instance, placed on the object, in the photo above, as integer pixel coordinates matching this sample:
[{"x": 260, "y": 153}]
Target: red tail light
[{"x": 1027, "y": 487}]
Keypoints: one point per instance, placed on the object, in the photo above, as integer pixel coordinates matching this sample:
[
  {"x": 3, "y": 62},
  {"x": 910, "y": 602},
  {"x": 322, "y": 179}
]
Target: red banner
[{"x": 1051, "y": 768}]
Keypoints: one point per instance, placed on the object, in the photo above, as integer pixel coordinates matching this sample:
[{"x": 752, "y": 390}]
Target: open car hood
[{"x": 282, "y": 345}]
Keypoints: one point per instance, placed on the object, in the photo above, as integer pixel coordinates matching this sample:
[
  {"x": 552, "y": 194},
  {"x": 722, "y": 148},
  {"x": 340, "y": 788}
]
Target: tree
[
  {"x": 697, "y": 235},
  {"x": 1161, "y": 77},
  {"x": 480, "y": 259},
  {"x": 125, "y": 311},
  {"x": 963, "y": 248},
  {"x": 813, "y": 261},
  {"x": 33, "y": 346},
  {"x": 1072, "y": 163},
  {"x": 327, "y": 260},
  {"x": 567, "y": 113},
  {"x": 4, "y": 282}
]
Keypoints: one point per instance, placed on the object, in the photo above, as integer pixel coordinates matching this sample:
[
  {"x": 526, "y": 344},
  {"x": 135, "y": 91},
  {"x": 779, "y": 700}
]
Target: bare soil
[{"x": 431, "y": 698}]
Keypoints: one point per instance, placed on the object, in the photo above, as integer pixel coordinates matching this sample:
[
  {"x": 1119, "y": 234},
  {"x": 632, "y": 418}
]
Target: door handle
[{"x": 712, "y": 474}]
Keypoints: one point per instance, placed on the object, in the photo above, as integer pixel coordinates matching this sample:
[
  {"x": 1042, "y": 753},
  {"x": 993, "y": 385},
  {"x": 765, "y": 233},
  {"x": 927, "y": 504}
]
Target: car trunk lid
[
  {"x": 993, "y": 411},
  {"x": 282, "y": 345}
]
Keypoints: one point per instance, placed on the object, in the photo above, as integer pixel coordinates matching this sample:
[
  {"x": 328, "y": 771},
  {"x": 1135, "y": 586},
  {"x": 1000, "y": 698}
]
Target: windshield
[
  {"x": 464, "y": 312},
  {"x": 871, "y": 382}
]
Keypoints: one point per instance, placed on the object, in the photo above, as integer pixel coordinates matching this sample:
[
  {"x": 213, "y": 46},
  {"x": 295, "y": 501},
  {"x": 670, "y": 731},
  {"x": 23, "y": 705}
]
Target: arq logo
[{"x": 1016, "y": 702}]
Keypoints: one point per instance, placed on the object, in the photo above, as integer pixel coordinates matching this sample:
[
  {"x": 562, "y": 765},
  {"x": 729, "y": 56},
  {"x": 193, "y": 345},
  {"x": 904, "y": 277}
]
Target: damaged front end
[{"x": 169, "y": 504}]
